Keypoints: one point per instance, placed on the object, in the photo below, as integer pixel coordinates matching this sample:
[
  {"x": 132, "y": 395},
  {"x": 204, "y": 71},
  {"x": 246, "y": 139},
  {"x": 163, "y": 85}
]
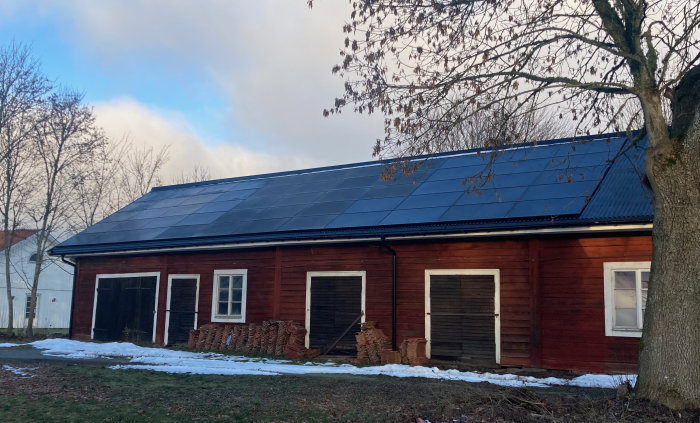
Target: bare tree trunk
[
  {"x": 29, "y": 330},
  {"x": 42, "y": 238},
  {"x": 669, "y": 363},
  {"x": 8, "y": 282}
]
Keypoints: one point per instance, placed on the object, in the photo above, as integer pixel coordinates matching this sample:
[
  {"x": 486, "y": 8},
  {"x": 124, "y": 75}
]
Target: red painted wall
[{"x": 551, "y": 290}]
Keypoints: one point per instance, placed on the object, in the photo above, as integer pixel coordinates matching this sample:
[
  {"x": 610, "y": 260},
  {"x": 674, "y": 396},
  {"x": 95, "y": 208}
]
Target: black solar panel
[{"x": 552, "y": 179}]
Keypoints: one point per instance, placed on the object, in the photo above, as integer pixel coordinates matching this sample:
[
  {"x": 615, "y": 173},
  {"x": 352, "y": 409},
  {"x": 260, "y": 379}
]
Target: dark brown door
[
  {"x": 336, "y": 307},
  {"x": 462, "y": 318},
  {"x": 182, "y": 311},
  {"x": 125, "y": 309}
]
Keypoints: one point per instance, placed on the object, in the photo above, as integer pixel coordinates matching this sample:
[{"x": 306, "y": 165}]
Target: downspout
[
  {"x": 393, "y": 292},
  {"x": 72, "y": 297}
]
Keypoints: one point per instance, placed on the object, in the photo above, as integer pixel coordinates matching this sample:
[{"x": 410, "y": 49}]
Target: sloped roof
[
  {"x": 15, "y": 236},
  {"x": 554, "y": 183}
]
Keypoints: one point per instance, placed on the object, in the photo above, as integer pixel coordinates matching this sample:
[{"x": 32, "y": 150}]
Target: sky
[{"x": 237, "y": 87}]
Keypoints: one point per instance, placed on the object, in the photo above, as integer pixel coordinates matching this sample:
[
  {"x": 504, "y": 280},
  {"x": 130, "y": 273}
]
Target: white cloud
[
  {"x": 271, "y": 59},
  {"x": 154, "y": 128}
]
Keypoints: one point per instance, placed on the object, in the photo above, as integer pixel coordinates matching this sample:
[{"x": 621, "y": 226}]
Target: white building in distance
[{"x": 54, "y": 290}]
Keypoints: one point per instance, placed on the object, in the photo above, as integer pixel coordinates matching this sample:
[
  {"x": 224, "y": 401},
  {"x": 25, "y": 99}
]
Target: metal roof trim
[{"x": 350, "y": 235}]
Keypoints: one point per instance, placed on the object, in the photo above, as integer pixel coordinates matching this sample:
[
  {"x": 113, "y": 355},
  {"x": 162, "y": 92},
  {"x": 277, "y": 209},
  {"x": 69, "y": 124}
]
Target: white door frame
[
  {"x": 167, "y": 303},
  {"x": 126, "y": 275},
  {"x": 496, "y": 273},
  {"x": 309, "y": 275}
]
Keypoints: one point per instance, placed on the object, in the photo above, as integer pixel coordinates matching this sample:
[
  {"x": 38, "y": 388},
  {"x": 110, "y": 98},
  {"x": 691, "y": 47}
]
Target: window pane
[
  {"x": 27, "y": 307},
  {"x": 644, "y": 298},
  {"x": 626, "y": 318},
  {"x": 237, "y": 281},
  {"x": 645, "y": 280},
  {"x": 236, "y": 309},
  {"x": 223, "y": 295},
  {"x": 625, "y": 298},
  {"x": 223, "y": 282},
  {"x": 625, "y": 280},
  {"x": 223, "y": 309},
  {"x": 237, "y": 295}
]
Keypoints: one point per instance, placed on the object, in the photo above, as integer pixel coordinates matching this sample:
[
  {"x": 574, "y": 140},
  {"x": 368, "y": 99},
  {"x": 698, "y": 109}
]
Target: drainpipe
[
  {"x": 393, "y": 292},
  {"x": 72, "y": 298}
]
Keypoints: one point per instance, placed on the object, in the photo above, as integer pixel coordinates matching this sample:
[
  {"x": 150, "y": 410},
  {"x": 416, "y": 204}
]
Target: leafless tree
[
  {"x": 64, "y": 138},
  {"x": 420, "y": 62},
  {"x": 97, "y": 184},
  {"x": 21, "y": 87},
  {"x": 199, "y": 173},
  {"x": 140, "y": 171},
  {"x": 504, "y": 124}
]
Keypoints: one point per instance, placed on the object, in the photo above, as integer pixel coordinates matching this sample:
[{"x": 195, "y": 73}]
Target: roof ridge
[{"x": 447, "y": 154}]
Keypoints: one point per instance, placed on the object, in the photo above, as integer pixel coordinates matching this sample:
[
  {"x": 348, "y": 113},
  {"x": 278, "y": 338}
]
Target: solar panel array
[{"x": 552, "y": 179}]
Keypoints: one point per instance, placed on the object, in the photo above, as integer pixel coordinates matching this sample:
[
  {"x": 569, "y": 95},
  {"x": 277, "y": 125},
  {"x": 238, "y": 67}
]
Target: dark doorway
[
  {"x": 462, "y": 318},
  {"x": 335, "y": 313},
  {"x": 125, "y": 309},
  {"x": 182, "y": 309}
]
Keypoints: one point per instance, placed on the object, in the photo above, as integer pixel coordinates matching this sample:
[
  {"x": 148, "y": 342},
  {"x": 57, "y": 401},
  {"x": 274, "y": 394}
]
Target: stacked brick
[
  {"x": 374, "y": 347},
  {"x": 277, "y": 338},
  {"x": 413, "y": 351},
  {"x": 370, "y": 344}
]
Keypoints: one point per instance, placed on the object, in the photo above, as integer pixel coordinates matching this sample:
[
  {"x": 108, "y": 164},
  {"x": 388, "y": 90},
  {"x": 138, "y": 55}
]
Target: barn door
[
  {"x": 106, "y": 326},
  {"x": 125, "y": 308},
  {"x": 335, "y": 309},
  {"x": 462, "y": 315},
  {"x": 181, "y": 308}
]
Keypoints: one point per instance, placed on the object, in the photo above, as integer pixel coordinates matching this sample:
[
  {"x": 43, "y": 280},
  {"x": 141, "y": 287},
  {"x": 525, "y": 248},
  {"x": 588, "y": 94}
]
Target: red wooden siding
[
  {"x": 572, "y": 303},
  {"x": 551, "y": 290}
]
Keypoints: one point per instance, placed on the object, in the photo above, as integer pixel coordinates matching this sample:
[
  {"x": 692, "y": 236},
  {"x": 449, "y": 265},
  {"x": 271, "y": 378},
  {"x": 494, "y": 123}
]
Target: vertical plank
[
  {"x": 277, "y": 285},
  {"x": 533, "y": 247}
]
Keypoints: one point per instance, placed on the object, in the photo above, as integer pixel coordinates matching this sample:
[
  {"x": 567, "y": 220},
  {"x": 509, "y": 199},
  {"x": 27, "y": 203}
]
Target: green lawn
[{"x": 76, "y": 393}]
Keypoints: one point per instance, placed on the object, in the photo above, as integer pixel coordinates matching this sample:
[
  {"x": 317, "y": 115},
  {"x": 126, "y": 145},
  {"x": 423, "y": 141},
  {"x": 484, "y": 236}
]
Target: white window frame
[
  {"x": 310, "y": 275},
  {"x": 167, "y": 307},
  {"x": 496, "y": 273},
  {"x": 609, "y": 281},
  {"x": 215, "y": 295},
  {"x": 126, "y": 275}
]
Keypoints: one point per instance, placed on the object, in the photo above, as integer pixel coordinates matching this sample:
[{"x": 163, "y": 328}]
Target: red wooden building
[{"x": 545, "y": 265}]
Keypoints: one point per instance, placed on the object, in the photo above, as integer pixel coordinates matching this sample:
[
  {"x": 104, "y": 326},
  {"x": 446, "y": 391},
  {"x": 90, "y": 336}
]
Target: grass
[{"x": 75, "y": 393}]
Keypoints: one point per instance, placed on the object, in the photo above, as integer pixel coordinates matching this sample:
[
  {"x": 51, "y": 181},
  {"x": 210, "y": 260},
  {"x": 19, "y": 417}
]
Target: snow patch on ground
[
  {"x": 171, "y": 361},
  {"x": 19, "y": 371},
  {"x": 8, "y": 345}
]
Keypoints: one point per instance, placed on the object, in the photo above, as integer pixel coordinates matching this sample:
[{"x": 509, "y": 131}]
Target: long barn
[{"x": 541, "y": 260}]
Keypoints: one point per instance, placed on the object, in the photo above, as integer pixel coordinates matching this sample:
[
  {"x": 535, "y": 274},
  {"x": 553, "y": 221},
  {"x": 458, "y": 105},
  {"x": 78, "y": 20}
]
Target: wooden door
[
  {"x": 462, "y": 318},
  {"x": 182, "y": 309},
  {"x": 125, "y": 309},
  {"x": 335, "y": 308}
]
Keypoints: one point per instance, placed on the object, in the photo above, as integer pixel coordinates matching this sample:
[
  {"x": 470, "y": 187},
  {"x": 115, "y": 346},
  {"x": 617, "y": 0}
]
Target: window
[
  {"x": 27, "y": 307},
  {"x": 626, "y": 287},
  {"x": 229, "y": 296},
  {"x": 32, "y": 258}
]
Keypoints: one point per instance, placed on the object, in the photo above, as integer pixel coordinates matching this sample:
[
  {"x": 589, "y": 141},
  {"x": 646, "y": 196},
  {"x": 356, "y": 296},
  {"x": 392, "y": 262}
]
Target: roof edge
[{"x": 199, "y": 244}]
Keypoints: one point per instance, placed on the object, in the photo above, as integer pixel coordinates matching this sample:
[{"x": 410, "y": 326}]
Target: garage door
[
  {"x": 462, "y": 317},
  {"x": 125, "y": 308}
]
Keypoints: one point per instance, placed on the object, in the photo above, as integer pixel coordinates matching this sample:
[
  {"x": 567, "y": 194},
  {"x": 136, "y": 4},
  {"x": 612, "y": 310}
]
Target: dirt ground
[{"x": 66, "y": 391}]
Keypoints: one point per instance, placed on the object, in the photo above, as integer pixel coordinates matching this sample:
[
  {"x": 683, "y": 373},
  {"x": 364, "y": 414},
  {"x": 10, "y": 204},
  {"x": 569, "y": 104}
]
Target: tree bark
[
  {"x": 42, "y": 240},
  {"x": 8, "y": 282},
  {"x": 669, "y": 361},
  {"x": 29, "y": 330}
]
